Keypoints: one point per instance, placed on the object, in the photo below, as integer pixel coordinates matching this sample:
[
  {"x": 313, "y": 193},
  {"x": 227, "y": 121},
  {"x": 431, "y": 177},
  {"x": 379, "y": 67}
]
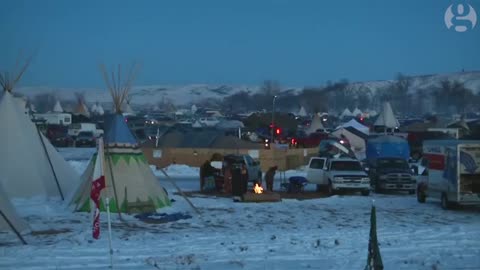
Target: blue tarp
[{"x": 387, "y": 146}]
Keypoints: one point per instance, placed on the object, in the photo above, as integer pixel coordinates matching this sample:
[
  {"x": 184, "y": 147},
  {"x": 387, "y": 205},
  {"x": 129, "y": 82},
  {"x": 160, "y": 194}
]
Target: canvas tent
[
  {"x": 357, "y": 112},
  {"x": 94, "y": 109},
  {"x": 100, "y": 110},
  {"x": 9, "y": 219},
  {"x": 29, "y": 164},
  {"x": 193, "y": 109},
  {"x": 387, "y": 118},
  {"x": 355, "y": 124},
  {"x": 315, "y": 125},
  {"x": 127, "y": 109},
  {"x": 58, "y": 107},
  {"x": 81, "y": 108},
  {"x": 130, "y": 183},
  {"x": 372, "y": 113},
  {"x": 302, "y": 112},
  {"x": 230, "y": 124},
  {"x": 346, "y": 113}
]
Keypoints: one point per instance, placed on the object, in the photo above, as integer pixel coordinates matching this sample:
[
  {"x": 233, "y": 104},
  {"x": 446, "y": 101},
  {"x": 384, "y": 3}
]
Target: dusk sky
[{"x": 234, "y": 42}]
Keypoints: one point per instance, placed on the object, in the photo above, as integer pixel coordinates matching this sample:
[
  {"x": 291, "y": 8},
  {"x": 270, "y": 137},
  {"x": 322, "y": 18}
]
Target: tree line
[{"x": 447, "y": 96}]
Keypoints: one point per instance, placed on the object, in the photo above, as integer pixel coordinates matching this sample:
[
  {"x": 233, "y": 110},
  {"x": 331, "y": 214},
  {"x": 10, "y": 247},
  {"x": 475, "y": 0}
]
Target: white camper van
[
  {"x": 64, "y": 119},
  {"x": 453, "y": 172}
]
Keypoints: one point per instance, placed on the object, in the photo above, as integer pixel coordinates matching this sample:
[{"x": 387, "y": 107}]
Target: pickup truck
[
  {"x": 338, "y": 174},
  {"x": 387, "y": 158},
  {"x": 391, "y": 173}
]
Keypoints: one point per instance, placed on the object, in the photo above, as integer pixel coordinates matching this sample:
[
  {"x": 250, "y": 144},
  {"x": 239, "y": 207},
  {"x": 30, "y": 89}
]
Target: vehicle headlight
[{"x": 365, "y": 180}]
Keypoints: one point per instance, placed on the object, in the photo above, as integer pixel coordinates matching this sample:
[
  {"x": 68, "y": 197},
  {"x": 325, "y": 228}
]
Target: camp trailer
[{"x": 453, "y": 172}]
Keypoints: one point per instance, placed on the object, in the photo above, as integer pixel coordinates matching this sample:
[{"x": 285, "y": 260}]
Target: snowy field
[{"x": 327, "y": 233}]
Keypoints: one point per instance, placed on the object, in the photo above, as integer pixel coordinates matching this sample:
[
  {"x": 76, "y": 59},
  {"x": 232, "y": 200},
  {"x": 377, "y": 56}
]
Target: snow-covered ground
[{"x": 327, "y": 233}]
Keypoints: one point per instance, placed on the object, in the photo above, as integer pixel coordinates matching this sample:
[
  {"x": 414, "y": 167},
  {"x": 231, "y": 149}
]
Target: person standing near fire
[
  {"x": 244, "y": 178},
  {"x": 269, "y": 176},
  {"x": 227, "y": 180}
]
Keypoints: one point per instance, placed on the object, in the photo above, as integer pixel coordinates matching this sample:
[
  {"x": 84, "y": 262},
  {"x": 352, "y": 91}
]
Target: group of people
[{"x": 211, "y": 178}]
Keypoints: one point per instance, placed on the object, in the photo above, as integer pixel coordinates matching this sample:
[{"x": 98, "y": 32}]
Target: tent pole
[
  {"x": 180, "y": 191},
  {"x": 13, "y": 228},
  {"x": 113, "y": 181},
  {"x": 50, "y": 162}
]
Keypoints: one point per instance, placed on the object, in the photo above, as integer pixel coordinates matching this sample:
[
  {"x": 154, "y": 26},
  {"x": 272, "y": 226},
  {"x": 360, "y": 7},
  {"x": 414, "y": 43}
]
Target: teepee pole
[
  {"x": 13, "y": 227},
  {"x": 180, "y": 191},
  {"x": 113, "y": 180},
  {"x": 50, "y": 162}
]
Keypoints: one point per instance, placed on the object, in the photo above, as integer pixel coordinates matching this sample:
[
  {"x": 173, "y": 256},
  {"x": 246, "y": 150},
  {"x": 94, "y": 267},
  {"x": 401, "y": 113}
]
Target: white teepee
[
  {"x": 94, "y": 109},
  {"x": 100, "y": 110},
  {"x": 387, "y": 118},
  {"x": 9, "y": 217},
  {"x": 127, "y": 110},
  {"x": 302, "y": 112},
  {"x": 58, "y": 107},
  {"x": 197, "y": 124},
  {"x": 81, "y": 108},
  {"x": 29, "y": 164},
  {"x": 357, "y": 112},
  {"x": 315, "y": 124},
  {"x": 345, "y": 113},
  {"x": 130, "y": 183}
]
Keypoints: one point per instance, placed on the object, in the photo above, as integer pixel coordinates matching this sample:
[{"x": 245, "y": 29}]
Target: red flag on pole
[{"x": 98, "y": 184}]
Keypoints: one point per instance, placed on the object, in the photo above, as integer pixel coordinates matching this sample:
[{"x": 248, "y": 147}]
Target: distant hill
[{"x": 186, "y": 94}]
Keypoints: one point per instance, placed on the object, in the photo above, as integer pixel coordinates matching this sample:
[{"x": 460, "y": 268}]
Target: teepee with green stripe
[{"x": 130, "y": 183}]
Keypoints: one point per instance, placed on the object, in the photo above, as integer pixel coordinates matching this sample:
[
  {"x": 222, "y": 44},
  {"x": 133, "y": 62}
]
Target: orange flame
[{"x": 258, "y": 189}]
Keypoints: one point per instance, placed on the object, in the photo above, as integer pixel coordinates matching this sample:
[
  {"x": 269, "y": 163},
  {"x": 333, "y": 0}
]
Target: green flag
[{"x": 374, "y": 261}]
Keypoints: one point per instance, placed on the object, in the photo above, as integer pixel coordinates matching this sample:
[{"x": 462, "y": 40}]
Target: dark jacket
[{"x": 270, "y": 174}]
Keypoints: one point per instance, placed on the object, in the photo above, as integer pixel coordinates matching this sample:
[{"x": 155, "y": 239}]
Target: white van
[
  {"x": 64, "y": 119},
  {"x": 453, "y": 172}
]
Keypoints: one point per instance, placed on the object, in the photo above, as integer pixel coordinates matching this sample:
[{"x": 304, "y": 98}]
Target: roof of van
[{"x": 450, "y": 142}]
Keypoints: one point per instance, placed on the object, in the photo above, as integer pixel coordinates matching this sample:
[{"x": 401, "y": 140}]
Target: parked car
[
  {"x": 85, "y": 138},
  {"x": 338, "y": 174},
  {"x": 58, "y": 136}
]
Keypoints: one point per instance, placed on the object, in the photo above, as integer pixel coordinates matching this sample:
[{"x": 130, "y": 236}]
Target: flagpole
[
  {"x": 107, "y": 201},
  {"x": 109, "y": 233}
]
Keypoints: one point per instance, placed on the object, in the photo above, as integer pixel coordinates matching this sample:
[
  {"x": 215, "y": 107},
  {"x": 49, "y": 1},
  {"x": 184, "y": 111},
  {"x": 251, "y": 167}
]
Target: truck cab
[
  {"x": 335, "y": 174},
  {"x": 391, "y": 173}
]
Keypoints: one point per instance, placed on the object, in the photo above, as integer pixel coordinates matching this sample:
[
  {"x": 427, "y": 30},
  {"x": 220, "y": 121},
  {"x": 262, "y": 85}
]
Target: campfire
[{"x": 258, "y": 189}]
